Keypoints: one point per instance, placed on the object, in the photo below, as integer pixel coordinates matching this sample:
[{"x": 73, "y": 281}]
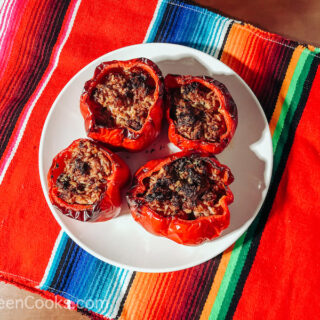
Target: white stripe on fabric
[
  {"x": 213, "y": 36},
  {"x": 5, "y": 22},
  {"x": 53, "y": 253},
  {"x": 109, "y": 292},
  {"x": 155, "y": 16},
  {"x": 6, "y": 6},
  {"x": 223, "y": 33},
  {"x": 30, "y": 108},
  {"x": 112, "y": 306},
  {"x": 120, "y": 294}
]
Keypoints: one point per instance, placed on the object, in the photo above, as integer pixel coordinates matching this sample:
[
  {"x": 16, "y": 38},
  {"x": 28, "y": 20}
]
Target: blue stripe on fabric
[
  {"x": 211, "y": 28},
  {"x": 59, "y": 271},
  {"x": 220, "y": 38},
  {"x": 84, "y": 277},
  {"x": 170, "y": 25},
  {"x": 55, "y": 262},
  {"x": 220, "y": 27},
  {"x": 197, "y": 28},
  {"x": 84, "y": 264},
  {"x": 117, "y": 295},
  {"x": 157, "y": 22},
  {"x": 62, "y": 282}
]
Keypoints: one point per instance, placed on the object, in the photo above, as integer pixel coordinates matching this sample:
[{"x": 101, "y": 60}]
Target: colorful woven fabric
[{"x": 271, "y": 272}]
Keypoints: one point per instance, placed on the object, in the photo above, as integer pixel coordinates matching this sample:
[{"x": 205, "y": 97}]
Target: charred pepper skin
[
  {"x": 186, "y": 232},
  {"x": 109, "y": 203},
  {"x": 124, "y": 138},
  {"x": 227, "y": 109}
]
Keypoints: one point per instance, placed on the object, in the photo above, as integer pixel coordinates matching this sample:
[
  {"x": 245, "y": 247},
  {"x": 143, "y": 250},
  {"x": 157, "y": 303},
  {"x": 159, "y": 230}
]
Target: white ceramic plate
[{"x": 123, "y": 242}]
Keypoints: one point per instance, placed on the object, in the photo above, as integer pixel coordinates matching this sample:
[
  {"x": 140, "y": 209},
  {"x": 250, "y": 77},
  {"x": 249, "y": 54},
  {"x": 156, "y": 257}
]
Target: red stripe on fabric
[
  {"x": 20, "y": 54},
  {"x": 179, "y": 278},
  {"x": 189, "y": 304},
  {"x": 13, "y": 14},
  {"x": 285, "y": 277},
  {"x": 20, "y": 70},
  {"x": 180, "y": 296},
  {"x": 25, "y": 71},
  {"x": 24, "y": 214}
]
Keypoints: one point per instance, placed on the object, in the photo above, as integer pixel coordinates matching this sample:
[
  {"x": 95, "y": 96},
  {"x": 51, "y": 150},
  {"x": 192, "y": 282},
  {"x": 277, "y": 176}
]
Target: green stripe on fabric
[
  {"x": 237, "y": 261},
  {"x": 226, "y": 279},
  {"x": 245, "y": 247},
  {"x": 295, "y": 92},
  {"x": 288, "y": 99}
]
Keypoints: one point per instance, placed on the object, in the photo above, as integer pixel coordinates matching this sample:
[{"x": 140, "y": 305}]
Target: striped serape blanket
[{"x": 271, "y": 272}]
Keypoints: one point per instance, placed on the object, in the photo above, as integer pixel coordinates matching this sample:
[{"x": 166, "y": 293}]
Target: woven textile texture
[{"x": 271, "y": 272}]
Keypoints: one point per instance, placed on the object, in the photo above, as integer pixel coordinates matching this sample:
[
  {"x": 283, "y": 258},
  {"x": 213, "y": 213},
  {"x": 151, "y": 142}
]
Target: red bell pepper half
[
  {"x": 122, "y": 103},
  {"x": 201, "y": 113},
  {"x": 183, "y": 197},
  {"x": 85, "y": 179}
]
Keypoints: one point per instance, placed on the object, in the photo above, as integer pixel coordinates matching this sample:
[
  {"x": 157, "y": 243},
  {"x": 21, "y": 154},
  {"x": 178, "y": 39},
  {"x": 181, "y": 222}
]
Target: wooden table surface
[{"x": 298, "y": 20}]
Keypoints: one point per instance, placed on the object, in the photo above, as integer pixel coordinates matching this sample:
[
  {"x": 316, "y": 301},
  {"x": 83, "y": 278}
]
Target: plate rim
[{"x": 241, "y": 230}]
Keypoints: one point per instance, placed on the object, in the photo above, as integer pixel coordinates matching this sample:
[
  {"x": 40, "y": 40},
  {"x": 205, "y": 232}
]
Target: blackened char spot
[
  {"x": 82, "y": 166},
  {"x": 189, "y": 190},
  {"x": 63, "y": 181},
  {"x": 135, "y": 125},
  {"x": 191, "y": 87},
  {"x": 137, "y": 81},
  {"x": 81, "y": 187},
  {"x": 160, "y": 191},
  {"x": 129, "y": 94},
  {"x": 188, "y": 116}
]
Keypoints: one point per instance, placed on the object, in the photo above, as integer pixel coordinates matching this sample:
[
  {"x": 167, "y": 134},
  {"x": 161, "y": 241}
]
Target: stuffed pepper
[
  {"x": 122, "y": 103},
  {"x": 201, "y": 113},
  {"x": 85, "y": 179},
  {"x": 183, "y": 197}
]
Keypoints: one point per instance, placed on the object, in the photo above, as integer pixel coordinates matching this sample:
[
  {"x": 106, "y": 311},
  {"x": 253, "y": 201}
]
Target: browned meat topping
[
  {"x": 189, "y": 188},
  {"x": 125, "y": 97},
  {"x": 196, "y": 112},
  {"x": 84, "y": 177}
]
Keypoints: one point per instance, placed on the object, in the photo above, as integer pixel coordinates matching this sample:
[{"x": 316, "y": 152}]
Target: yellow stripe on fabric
[
  {"x": 216, "y": 283},
  {"x": 284, "y": 88}
]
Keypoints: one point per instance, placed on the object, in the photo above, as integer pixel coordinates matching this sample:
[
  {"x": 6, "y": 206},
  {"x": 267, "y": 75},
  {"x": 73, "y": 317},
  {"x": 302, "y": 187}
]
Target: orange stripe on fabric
[
  {"x": 239, "y": 52},
  {"x": 154, "y": 296},
  {"x": 284, "y": 88},
  {"x": 246, "y": 58},
  {"x": 148, "y": 293},
  {"x": 216, "y": 283},
  {"x": 233, "y": 46},
  {"x": 243, "y": 53},
  {"x": 138, "y": 293}
]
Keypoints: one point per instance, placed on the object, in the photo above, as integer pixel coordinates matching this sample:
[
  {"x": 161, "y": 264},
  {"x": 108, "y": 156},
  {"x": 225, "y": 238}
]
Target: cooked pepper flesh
[
  {"x": 124, "y": 97},
  {"x": 183, "y": 197},
  {"x": 196, "y": 112},
  {"x": 189, "y": 188},
  {"x": 83, "y": 179}
]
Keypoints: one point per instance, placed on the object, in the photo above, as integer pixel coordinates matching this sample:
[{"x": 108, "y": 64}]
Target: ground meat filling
[
  {"x": 84, "y": 177},
  {"x": 125, "y": 97},
  {"x": 196, "y": 112},
  {"x": 189, "y": 188}
]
